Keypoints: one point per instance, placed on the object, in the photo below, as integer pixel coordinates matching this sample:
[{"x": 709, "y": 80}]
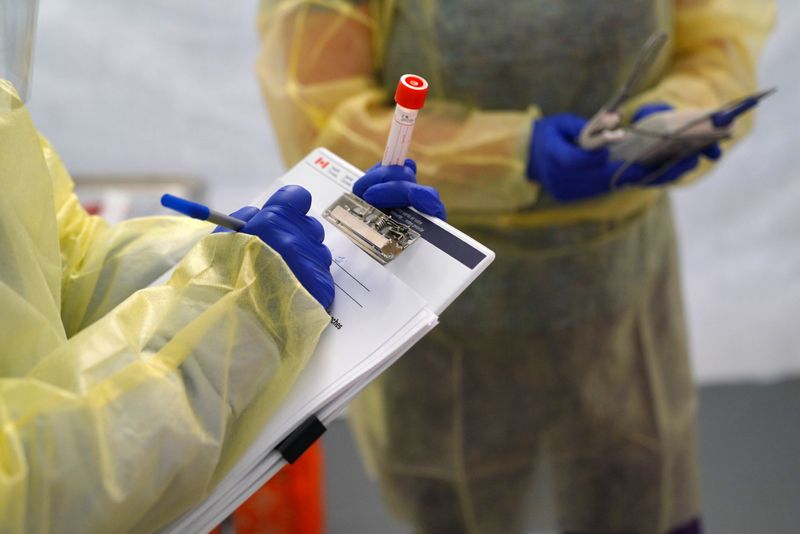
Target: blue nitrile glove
[
  {"x": 396, "y": 186},
  {"x": 283, "y": 225},
  {"x": 568, "y": 172}
]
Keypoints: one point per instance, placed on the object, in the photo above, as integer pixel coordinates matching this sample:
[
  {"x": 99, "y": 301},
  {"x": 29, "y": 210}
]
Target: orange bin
[{"x": 292, "y": 502}]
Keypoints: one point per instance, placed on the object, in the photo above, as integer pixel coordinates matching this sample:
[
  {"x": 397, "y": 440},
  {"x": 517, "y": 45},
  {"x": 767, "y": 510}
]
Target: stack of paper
[{"x": 379, "y": 312}]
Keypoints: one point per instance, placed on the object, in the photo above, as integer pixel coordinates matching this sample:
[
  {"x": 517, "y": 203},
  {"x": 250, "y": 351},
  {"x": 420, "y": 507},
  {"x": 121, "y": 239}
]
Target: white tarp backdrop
[{"x": 169, "y": 87}]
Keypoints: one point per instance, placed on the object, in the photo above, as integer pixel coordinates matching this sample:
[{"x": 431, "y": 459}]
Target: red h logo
[{"x": 322, "y": 162}]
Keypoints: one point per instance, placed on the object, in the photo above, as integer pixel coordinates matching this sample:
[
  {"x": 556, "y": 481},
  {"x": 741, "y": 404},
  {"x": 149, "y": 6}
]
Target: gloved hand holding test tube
[{"x": 392, "y": 183}]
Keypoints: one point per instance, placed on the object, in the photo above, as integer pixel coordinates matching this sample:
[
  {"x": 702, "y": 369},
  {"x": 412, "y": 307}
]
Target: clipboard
[{"x": 379, "y": 312}]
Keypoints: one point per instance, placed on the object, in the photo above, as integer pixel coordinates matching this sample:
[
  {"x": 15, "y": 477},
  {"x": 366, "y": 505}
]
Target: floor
[{"x": 750, "y": 463}]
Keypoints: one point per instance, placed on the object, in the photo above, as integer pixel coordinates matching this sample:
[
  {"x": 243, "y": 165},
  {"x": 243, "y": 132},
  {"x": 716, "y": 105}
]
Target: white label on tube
[{"x": 399, "y": 136}]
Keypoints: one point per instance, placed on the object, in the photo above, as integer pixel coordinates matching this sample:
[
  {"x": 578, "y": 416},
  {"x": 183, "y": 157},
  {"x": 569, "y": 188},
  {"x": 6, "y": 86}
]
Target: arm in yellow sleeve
[
  {"x": 132, "y": 419},
  {"x": 103, "y": 264},
  {"x": 317, "y": 71},
  {"x": 717, "y": 43}
]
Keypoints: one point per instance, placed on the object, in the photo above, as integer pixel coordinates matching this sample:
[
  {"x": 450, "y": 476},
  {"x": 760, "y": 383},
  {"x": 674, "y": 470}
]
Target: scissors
[{"x": 604, "y": 127}]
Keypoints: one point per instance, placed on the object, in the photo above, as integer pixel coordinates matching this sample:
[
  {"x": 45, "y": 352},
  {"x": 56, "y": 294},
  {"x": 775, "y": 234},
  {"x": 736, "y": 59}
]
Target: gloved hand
[
  {"x": 568, "y": 172},
  {"x": 396, "y": 186},
  {"x": 283, "y": 225}
]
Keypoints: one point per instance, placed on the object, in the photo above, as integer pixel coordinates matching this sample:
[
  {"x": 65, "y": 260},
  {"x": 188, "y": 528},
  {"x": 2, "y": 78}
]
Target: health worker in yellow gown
[{"x": 557, "y": 390}]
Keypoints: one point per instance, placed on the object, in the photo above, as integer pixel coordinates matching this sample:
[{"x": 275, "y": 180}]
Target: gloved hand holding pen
[
  {"x": 283, "y": 224},
  {"x": 569, "y": 173}
]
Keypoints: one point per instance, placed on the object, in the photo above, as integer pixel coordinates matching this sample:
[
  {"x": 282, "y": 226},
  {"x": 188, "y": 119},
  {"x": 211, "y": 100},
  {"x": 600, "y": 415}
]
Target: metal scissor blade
[
  {"x": 761, "y": 95},
  {"x": 647, "y": 55},
  {"x": 603, "y": 127}
]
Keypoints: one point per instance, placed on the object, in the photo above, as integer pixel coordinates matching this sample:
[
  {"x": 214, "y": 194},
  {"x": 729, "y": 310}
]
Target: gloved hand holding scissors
[
  {"x": 395, "y": 186},
  {"x": 576, "y": 159},
  {"x": 568, "y": 172}
]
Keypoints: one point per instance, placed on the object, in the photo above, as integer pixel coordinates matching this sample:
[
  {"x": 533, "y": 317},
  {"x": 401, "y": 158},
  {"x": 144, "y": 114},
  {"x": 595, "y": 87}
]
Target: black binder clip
[{"x": 301, "y": 439}]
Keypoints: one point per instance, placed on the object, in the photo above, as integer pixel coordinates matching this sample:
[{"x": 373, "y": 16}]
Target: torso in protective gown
[
  {"x": 560, "y": 55},
  {"x": 557, "y": 390}
]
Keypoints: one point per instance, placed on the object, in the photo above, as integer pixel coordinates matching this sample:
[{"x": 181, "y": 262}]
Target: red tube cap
[{"x": 411, "y": 91}]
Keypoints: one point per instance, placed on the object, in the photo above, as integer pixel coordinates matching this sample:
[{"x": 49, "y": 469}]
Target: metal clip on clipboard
[{"x": 375, "y": 232}]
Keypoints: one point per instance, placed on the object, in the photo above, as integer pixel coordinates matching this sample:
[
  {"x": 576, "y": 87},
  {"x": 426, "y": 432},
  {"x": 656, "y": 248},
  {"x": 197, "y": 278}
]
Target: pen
[{"x": 199, "y": 211}]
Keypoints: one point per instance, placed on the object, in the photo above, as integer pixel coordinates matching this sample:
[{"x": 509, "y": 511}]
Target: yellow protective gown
[
  {"x": 121, "y": 405},
  {"x": 559, "y": 384}
]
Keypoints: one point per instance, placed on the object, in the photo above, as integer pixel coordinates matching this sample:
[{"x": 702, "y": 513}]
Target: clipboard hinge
[{"x": 296, "y": 443}]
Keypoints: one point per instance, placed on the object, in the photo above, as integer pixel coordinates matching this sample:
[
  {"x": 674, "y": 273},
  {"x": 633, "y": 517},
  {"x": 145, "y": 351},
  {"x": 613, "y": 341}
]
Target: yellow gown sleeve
[
  {"x": 130, "y": 416},
  {"x": 317, "y": 71},
  {"x": 717, "y": 43},
  {"x": 103, "y": 264}
]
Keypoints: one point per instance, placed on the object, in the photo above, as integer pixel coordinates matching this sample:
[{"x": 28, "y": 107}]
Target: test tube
[{"x": 410, "y": 97}]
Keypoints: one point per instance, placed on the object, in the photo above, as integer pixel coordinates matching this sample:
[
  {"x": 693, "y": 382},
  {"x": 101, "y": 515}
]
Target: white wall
[
  {"x": 168, "y": 86},
  {"x": 165, "y": 86},
  {"x": 740, "y": 234}
]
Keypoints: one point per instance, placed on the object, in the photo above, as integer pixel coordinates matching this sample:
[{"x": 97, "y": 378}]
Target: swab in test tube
[{"x": 410, "y": 97}]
